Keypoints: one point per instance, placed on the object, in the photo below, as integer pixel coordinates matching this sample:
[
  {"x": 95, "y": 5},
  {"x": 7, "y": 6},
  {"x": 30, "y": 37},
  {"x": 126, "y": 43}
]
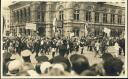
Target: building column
[
  {"x": 81, "y": 15},
  {"x": 123, "y": 19},
  {"x": 93, "y": 16},
  {"x": 116, "y": 19},
  {"x": 69, "y": 15},
  {"x": 27, "y": 15},
  {"x": 101, "y": 17},
  {"x": 49, "y": 26},
  {"x": 33, "y": 12}
]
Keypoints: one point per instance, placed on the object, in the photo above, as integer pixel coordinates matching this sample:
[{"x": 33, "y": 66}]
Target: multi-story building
[
  {"x": 37, "y": 17},
  {"x": 6, "y": 21}
]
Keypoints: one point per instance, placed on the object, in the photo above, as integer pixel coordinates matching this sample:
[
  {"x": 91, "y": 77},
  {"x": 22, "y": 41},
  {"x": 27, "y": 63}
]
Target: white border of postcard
[{"x": 126, "y": 73}]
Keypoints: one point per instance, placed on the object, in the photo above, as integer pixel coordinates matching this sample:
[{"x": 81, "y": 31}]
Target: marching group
[{"x": 65, "y": 61}]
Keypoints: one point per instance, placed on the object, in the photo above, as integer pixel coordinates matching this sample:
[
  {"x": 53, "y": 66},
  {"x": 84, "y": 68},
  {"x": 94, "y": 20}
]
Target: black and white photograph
[{"x": 68, "y": 39}]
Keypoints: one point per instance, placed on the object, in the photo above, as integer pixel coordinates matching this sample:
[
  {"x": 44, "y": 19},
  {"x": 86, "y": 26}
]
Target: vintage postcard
[{"x": 63, "y": 39}]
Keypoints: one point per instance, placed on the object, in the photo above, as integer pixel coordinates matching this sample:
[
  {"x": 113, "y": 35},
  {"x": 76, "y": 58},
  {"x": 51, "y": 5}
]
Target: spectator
[
  {"x": 79, "y": 63},
  {"x": 113, "y": 67},
  {"x": 27, "y": 65},
  {"x": 64, "y": 61},
  {"x": 14, "y": 67}
]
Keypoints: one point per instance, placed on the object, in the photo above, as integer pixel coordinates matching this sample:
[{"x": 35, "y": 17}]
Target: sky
[{"x": 5, "y": 3}]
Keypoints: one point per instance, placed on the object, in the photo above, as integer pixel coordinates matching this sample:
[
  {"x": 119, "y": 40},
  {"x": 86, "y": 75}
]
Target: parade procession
[{"x": 64, "y": 39}]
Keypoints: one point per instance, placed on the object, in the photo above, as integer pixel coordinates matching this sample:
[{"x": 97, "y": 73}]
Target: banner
[
  {"x": 54, "y": 24},
  {"x": 107, "y": 31},
  {"x": 71, "y": 35},
  {"x": 31, "y": 26}
]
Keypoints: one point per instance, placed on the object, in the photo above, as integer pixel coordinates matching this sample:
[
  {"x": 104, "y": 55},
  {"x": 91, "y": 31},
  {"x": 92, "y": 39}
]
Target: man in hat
[
  {"x": 14, "y": 67},
  {"x": 45, "y": 67},
  {"x": 26, "y": 56},
  {"x": 97, "y": 47},
  {"x": 79, "y": 63},
  {"x": 61, "y": 60},
  {"x": 6, "y": 59},
  {"x": 114, "y": 67},
  {"x": 82, "y": 45},
  {"x": 40, "y": 60},
  {"x": 63, "y": 48}
]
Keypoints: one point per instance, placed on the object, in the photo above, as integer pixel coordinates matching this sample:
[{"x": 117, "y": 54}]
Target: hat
[
  {"x": 114, "y": 67},
  {"x": 14, "y": 65},
  {"x": 42, "y": 59},
  {"x": 58, "y": 66},
  {"x": 62, "y": 60},
  {"x": 26, "y": 53},
  {"x": 79, "y": 63},
  {"x": 44, "y": 66}
]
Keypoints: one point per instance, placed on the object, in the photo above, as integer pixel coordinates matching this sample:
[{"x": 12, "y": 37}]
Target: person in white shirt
[
  {"x": 116, "y": 47},
  {"x": 97, "y": 47}
]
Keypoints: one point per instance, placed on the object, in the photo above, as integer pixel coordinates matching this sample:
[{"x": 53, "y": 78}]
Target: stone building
[
  {"x": 29, "y": 18},
  {"x": 6, "y": 21}
]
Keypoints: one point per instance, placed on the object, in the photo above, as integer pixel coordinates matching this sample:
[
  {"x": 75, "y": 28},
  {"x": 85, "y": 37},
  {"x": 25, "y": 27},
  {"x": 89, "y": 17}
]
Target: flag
[
  {"x": 85, "y": 27},
  {"x": 107, "y": 31},
  {"x": 54, "y": 24}
]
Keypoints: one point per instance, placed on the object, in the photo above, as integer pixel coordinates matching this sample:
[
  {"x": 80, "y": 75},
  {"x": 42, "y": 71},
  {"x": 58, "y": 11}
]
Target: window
[
  {"x": 61, "y": 15},
  {"x": 42, "y": 17},
  {"x": 76, "y": 14},
  {"x": 105, "y": 18},
  {"x": 88, "y": 16},
  {"x": 119, "y": 19},
  {"x": 112, "y": 18},
  {"x": 96, "y": 17}
]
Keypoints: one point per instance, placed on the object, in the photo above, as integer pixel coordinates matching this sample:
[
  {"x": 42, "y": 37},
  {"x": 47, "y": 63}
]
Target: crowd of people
[{"x": 65, "y": 61}]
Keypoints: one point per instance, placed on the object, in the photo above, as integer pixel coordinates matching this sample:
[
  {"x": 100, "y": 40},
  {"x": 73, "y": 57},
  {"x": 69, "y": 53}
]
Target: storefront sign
[{"x": 31, "y": 26}]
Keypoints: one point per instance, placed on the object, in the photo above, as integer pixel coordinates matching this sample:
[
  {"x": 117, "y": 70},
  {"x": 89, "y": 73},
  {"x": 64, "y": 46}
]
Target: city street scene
[{"x": 44, "y": 38}]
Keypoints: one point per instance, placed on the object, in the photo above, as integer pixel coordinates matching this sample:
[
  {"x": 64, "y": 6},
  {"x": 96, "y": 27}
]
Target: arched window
[
  {"x": 119, "y": 19},
  {"x": 97, "y": 17},
  {"x": 88, "y": 16},
  {"x": 61, "y": 13},
  {"x": 112, "y": 18},
  {"x": 76, "y": 13},
  {"x": 105, "y": 18}
]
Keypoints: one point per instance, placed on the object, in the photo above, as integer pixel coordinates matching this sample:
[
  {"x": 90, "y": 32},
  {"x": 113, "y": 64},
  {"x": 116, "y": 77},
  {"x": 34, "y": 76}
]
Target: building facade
[
  {"x": 6, "y": 21},
  {"x": 29, "y": 18}
]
